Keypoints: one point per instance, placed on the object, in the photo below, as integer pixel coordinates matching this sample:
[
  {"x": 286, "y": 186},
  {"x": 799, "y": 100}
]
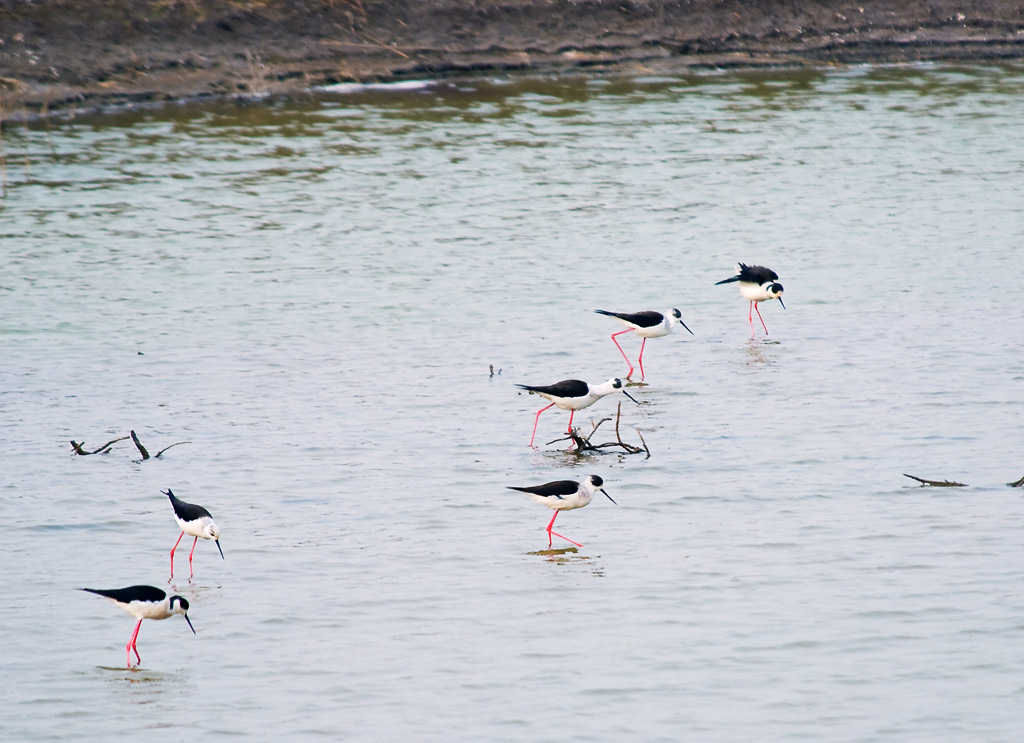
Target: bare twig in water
[
  {"x": 145, "y": 454},
  {"x": 102, "y": 450},
  {"x": 142, "y": 449},
  {"x": 646, "y": 448},
  {"x": 1016, "y": 483},
  {"x": 176, "y": 443},
  {"x": 583, "y": 442},
  {"x": 937, "y": 483}
]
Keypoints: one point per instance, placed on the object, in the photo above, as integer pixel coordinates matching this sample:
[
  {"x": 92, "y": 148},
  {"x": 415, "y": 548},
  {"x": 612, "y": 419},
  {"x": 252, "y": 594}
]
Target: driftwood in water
[
  {"x": 1016, "y": 483},
  {"x": 102, "y": 450},
  {"x": 937, "y": 483},
  {"x": 139, "y": 446},
  {"x": 583, "y": 443},
  {"x": 145, "y": 454}
]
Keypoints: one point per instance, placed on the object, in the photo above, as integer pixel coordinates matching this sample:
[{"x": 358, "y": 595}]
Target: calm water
[{"x": 312, "y": 295}]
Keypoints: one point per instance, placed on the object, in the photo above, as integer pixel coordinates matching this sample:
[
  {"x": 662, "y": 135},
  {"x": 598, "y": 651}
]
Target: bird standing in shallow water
[
  {"x": 144, "y": 602},
  {"x": 195, "y": 521},
  {"x": 646, "y": 324},
  {"x": 573, "y": 395},
  {"x": 758, "y": 284},
  {"x": 565, "y": 495}
]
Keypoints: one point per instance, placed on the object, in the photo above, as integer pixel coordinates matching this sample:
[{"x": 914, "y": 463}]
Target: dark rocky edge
[{"x": 67, "y": 55}]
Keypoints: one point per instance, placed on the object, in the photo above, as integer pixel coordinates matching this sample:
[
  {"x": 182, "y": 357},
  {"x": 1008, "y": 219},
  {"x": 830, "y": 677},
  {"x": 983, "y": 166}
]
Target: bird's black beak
[
  {"x": 780, "y": 302},
  {"x": 219, "y": 549},
  {"x": 687, "y": 329},
  {"x": 190, "y": 624},
  {"x": 630, "y": 397},
  {"x": 608, "y": 496}
]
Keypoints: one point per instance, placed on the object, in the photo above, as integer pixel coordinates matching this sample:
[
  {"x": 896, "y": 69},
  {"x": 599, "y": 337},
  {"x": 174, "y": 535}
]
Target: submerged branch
[
  {"x": 79, "y": 447},
  {"x": 642, "y": 441},
  {"x": 145, "y": 454},
  {"x": 937, "y": 483},
  {"x": 583, "y": 443},
  {"x": 177, "y": 443},
  {"x": 102, "y": 450},
  {"x": 141, "y": 448}
]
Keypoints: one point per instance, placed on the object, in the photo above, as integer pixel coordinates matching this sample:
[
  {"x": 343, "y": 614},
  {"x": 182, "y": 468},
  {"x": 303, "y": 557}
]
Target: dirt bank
[{"x": 65, "y": 54}]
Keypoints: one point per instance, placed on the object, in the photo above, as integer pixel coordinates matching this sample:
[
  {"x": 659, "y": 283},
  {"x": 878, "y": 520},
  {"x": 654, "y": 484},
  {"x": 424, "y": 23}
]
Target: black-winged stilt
[
  {"x": 758, "y": 284},
  {"x": 144, "y": 602},
  {"x": 573, "y": 395},
  {"x": 564, "y": 495},
  {"x": 646, "y": 324},
  {"x": 194, "y": 521}
]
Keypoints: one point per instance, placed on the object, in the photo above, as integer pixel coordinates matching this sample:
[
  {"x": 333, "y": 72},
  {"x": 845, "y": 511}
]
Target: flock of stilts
[
  {"x": 150, "y": 602},
  {"x": 757, "y": 284}
]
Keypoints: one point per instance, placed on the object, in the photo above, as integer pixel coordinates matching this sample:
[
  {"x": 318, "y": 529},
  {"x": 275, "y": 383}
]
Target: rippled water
[{"x": 312, "y": 295}]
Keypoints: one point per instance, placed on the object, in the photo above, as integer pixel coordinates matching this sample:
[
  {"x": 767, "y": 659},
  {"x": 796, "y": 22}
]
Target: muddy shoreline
[{"x": 62, "y": 56}]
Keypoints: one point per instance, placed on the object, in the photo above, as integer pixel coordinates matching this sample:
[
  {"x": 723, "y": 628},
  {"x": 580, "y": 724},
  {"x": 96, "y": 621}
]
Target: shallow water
[{"x": 312, "y": 294}]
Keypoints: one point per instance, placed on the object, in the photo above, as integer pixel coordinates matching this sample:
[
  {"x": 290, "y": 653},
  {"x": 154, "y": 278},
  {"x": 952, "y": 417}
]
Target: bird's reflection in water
[
  {"x": 759, "y": 351},
  {"x": 570, "y": 556},
  {"x": 565, "y": 553}
]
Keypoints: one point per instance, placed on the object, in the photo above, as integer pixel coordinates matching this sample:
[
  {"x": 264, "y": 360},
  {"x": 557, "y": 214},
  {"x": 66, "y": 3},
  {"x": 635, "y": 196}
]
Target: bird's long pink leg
[
  {"x": 553, "y": 533},
  {"x": 642, "y": 359},
  {"x": 172, "y": 553},
  {"x": 190, "y": 557},
  {"x": 131, "y": 646},
  {"x": 537, "y": 418},
  {"x": 569, "y": 429},
  {"x": 750, "y": 315},
  {"x": 629, "y": 330},
  {"x": 760, "y": 318}
]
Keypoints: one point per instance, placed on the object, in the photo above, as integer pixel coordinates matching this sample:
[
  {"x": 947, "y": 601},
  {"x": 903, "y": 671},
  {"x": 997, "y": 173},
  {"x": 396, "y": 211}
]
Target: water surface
[{"x": 313, "y": 294}]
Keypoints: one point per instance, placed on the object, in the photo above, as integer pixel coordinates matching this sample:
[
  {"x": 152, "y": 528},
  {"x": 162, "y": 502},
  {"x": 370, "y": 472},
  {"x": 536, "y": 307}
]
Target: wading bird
[
  {"x": 144, "y": 602},
  {"x": 564, "y": 495},
  {"x": 758, "y": 284},
  {"x": 573, "y": 395},
  {"x": 195, "y": 521},
  {"x": 646, "y": 324}
]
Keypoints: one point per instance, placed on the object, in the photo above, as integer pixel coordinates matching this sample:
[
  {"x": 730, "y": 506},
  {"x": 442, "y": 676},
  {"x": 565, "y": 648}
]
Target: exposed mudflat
[{"x": 75, "y": 54}]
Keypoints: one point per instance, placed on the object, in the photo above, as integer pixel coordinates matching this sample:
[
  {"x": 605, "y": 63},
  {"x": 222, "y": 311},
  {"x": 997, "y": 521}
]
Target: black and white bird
[
  {"x": 647, "y": 324},
  {"x": 573, "y": 395},
  {"x": 758, "y": 284},
  {"x": 564, "y": 495},
  {"x": 195, "y": 521},
  {"x": 144, "y": 602}
]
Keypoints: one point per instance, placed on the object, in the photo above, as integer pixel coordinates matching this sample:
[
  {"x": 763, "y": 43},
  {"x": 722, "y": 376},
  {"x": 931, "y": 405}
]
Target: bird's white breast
[
  {"x": 573, "y": 403},
  {"x": 195, "y": 528},
  {"x": 662, "y": 328},
  {"x": 565, "y": 503},
  {"x": 146, "y": 609},
  {"x": 754, "y": 292}
]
